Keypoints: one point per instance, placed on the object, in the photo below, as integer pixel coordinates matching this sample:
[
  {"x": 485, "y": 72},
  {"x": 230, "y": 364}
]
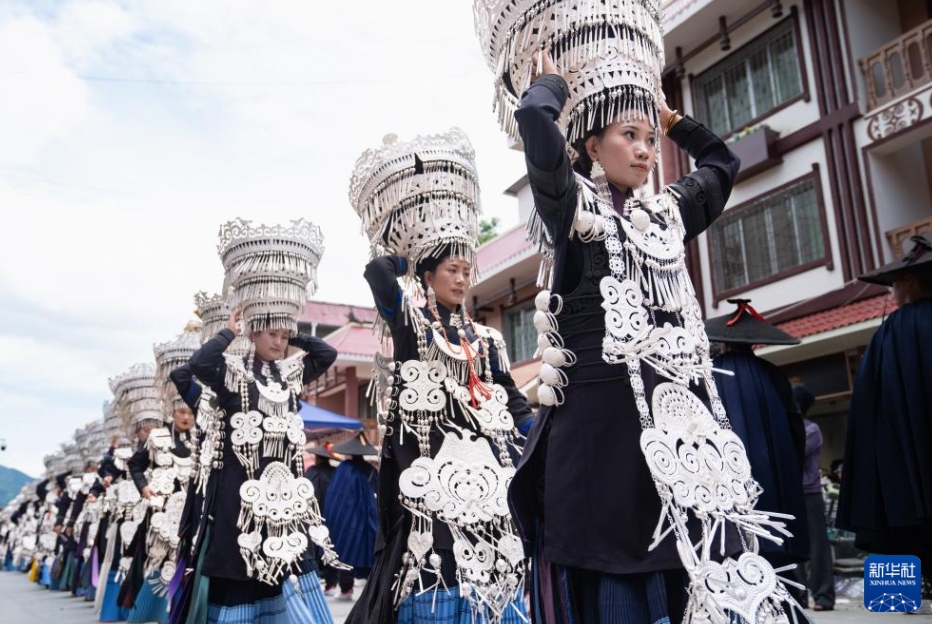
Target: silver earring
[
  {"x": 601, "y": 183},
  {"x": 431, "y": 298}
]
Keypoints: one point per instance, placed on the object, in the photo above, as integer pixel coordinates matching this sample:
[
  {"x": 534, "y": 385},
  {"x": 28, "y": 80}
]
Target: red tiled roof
[
  {"x": 336, "y": 314},
  {"x": 524, "y": 373},
  {"x": 501, "y": 249},
  {"x": 842, "y": 316},
  {"x": 354, "y": 340}
]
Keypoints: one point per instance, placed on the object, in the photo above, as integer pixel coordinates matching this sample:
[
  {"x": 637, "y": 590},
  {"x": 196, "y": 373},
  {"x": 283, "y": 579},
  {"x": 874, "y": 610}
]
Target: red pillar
[{"x": 351, "y": 394}]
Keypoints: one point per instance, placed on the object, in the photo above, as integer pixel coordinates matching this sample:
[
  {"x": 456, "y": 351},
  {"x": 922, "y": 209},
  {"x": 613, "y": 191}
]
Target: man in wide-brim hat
[
  {"x": 351, "y": 511},
  {"x": 763, "y": 413},
  {"x": 886, "y": 488}
]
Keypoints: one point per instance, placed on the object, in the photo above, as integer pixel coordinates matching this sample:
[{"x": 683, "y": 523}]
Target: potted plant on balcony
[{"x": 756, "y": 147}]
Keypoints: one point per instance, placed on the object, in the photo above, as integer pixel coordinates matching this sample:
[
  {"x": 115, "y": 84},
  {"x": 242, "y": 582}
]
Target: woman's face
[
  {"x": 450, "y": 281},
  {"x": 626, "y": 150},
  {"x": 142, "y": 433},
  {"x": 271, "y": 344},
  {"x": 183, "y": 417}
]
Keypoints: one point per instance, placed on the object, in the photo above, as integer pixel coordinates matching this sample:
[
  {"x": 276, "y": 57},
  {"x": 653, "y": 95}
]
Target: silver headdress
[
  {"x": 114, "y": 427},
  {"x": 609, "y": 51},
  {"x": 214, "y": 313},
  {"x": 137, "y": 399},
  {"x": 72, "y": 457},
  {"x": 271, "y": 270},
  {"x": 54, "y": 463},
  {"x": 417, "y": 197},
  {"x": 169, "y": 356},
  {"x": 88, "y": 441}
]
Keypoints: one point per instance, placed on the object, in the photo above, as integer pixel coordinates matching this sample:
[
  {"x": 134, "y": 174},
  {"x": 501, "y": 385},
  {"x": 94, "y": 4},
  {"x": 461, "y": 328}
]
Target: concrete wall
[{"x": 900, "y": 189}]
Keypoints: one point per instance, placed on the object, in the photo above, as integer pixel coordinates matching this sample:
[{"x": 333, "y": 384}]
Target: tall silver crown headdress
[
  {"x": 214, "y": 313},
  {"x": 72, "y": 461},
  {"x": 418, "y": 197},
  {"x": 137, "y": 398},
  {"x": 609, "y": 51},
  {"x": 54, "y": 464},
  {"x": 114, "y": 427},
  {"x": 271, "y": 270},
  {"x": 169, "y": 356}
]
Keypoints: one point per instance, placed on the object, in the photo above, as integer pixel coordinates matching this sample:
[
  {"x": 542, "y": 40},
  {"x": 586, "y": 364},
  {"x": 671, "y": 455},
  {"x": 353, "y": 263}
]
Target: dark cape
[
  {"x": 763, "y": 413},
  {"x": 320, "y": 477},
  {"x": 352, "y": 515},
  {"x": 886, "y": 488}
]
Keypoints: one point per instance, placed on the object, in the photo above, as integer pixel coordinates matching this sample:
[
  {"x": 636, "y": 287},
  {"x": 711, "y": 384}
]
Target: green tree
[{"x": 488, "y": 229}]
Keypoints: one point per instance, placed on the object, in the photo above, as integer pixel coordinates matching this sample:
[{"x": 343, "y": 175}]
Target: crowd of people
[{"x": 662, "y": 479}]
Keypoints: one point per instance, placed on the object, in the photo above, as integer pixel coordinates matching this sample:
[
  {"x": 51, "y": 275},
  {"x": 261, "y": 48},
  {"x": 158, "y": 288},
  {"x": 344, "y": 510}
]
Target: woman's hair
[
  {"x": 430, "y": 264},
  {"x": 631, "y": 93},
  {"x": 583, "y": 163}
]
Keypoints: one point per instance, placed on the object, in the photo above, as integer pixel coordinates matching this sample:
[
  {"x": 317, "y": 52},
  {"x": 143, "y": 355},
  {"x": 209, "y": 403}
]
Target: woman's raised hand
[
  {"x": 668, "y": 118},
  {"x": 233, "y": 320},
  {"x": 544, "y": 65}
]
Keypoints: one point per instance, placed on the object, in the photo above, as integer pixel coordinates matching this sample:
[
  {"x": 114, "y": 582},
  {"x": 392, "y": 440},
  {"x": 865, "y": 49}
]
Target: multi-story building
[
  {"x": 829, "y": 105},
  {"x": 342, "y": 389}
]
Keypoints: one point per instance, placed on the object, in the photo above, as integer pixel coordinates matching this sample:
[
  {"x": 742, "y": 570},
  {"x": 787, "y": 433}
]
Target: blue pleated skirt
[
  {"x": 304, "y": 605},
  {"x": 149, "y": 606},
  {"x": 45, "y": 578},
  {"x": 564, "y": 595},
  {"x": 446, "y": 606},
  {"x": 110, "y": 611}
]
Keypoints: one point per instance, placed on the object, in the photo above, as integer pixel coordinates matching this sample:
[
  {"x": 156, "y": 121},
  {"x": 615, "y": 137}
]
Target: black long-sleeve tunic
[
  {"x": 583, "y": 491},
  {"x": 222, "y": 558},
  {"x": 376, "y": 603}
]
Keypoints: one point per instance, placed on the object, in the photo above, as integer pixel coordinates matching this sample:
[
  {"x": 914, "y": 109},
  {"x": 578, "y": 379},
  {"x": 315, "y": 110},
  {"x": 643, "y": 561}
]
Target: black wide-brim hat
[
  {"x": 322, "y": 451},
  {"x": 919, "y": 258},
  {"x": 357, "y": 445},
  {"x": 746, "y": 326}
]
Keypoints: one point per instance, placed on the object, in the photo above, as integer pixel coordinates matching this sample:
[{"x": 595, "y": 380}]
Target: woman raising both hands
[{"x": 583, "y": 498}]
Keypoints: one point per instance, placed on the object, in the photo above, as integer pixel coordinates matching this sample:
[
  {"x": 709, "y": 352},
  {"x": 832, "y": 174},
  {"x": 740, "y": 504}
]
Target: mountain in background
[{"x": 11, "y": 481}]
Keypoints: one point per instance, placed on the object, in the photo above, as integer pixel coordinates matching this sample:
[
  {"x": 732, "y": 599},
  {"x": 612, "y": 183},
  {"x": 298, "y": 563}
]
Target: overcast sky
[{"x": 130, "y": 130}]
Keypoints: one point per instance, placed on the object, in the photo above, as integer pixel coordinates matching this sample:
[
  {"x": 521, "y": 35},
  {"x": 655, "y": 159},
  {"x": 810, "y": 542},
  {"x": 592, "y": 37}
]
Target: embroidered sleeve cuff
[
  {"x": 691, "y": 135},
  {"x": 553, "y": 184},
  {"x": 556, "y": 85}
]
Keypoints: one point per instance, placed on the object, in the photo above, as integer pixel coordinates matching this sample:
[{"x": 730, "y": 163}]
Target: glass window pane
[
  {"x": 762, "y": 84},
  {"x": 750, "y": 82},
  {"x": 739, "y": 95},
  {"x": 776, "y": 234},
  {"x": 787, "y": 82},
  {"x": 713, "y": 97},
  {"x": 522, "y": 336}
]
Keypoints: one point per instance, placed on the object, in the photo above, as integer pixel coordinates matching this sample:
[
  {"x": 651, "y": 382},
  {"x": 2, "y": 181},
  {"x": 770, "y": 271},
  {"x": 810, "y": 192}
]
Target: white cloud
[
  {"x": 85, "y": 30},
  {"x": 113, "y": 188},
  {"x": 42, "y": 98}
]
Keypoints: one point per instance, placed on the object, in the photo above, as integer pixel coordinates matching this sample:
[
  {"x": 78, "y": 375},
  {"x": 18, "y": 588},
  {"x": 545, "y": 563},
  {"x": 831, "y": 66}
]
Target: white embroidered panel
[
  {"x": 277, "y": 495},
  {"x": 464, "y": 483},
  {"x": 423, "y": 389},
  {"x": 705, "y": 466}
]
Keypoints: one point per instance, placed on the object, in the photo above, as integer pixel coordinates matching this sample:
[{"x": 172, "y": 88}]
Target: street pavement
[{"x": 22, "y": 602}]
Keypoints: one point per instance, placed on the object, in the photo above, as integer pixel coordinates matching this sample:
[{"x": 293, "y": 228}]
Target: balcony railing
[
  {"x": 899, "y": 66},
  {"x": 900, "y": 236}
]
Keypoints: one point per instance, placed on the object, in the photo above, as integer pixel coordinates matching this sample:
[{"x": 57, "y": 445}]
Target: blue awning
[{"x": 318, "y": 418}]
